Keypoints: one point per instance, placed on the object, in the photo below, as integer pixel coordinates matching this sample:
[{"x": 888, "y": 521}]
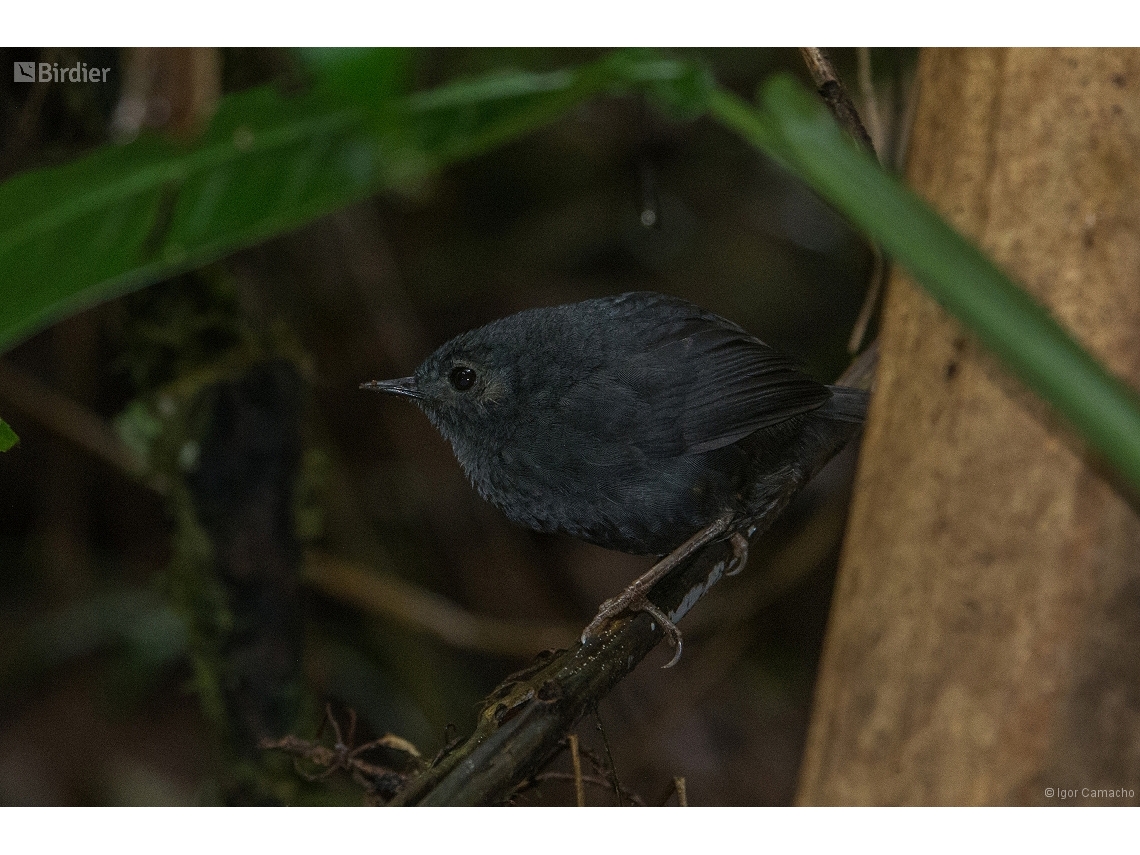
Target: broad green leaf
[
  {"x": 795, "y": 127},
  {"x": 125, "y": 216},
  {"x": 8, "y": 436}
]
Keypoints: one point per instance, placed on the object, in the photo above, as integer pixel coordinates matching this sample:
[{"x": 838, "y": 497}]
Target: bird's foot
[
  {"x": 633, "y": 599},
  {"x": 739, "y": 554}
]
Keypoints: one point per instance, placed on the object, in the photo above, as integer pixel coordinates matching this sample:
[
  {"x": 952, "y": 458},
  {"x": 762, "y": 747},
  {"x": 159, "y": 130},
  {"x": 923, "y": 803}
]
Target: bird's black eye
[{"x": 462, "y": 377}]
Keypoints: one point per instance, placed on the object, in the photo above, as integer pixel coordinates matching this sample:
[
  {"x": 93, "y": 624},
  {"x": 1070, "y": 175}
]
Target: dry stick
[
  {"x": 831, "y": 89},
  {"x": 576, "y": 763},
  {"x": 682, "y": 796},
  {"x": 68, "y": 419},
  {"x": 524, "y": 721},
  {"x": 870, "y": 301},
  {"x": 879, "y": 273},
  {"x": 905, "y": 124},
  {"x": 382, "y": 592},
  {"x": 593, "y": 780},
  {"x": 870, "y": 99},
  {"x": 610, "y": 768}
]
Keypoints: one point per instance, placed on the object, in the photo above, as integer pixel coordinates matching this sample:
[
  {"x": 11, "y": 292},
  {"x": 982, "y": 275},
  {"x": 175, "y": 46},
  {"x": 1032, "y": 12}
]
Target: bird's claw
[
  {"x": 739, "y": 554},
  {"x": 635, "y": 601},
  {"x": 634, "y": 597},
  {"x": 672, "y": 634}
]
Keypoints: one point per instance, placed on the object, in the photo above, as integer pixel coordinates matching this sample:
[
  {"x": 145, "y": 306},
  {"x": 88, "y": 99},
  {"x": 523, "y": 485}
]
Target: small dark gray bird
[{"x": 635, "y": 422}]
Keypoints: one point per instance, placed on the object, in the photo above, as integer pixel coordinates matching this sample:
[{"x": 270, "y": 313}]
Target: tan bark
[{"x": 984, "y": 642}]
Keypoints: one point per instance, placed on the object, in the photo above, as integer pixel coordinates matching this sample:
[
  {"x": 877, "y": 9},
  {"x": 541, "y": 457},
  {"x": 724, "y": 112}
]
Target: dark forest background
[{"x": 415, "y": 597}]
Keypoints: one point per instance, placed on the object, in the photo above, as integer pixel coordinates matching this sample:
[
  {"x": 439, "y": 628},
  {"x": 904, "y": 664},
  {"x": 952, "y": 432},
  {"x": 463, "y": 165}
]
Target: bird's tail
[{"x": 845, "y": 405}]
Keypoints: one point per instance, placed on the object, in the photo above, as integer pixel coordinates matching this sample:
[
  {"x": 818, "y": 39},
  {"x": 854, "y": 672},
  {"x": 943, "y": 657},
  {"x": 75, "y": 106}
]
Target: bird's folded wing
[{"x": 701, "y": 386}]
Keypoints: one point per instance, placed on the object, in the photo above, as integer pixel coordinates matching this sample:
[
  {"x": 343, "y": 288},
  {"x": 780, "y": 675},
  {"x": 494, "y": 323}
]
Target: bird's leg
[
  {"x": 739, "y": 553},
  {"x": 633, "y": 598}
]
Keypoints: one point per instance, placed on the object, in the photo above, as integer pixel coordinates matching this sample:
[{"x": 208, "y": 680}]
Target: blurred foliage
[
  {"x": 8, "y": 436},
  {"x": 129, "y": 215}
]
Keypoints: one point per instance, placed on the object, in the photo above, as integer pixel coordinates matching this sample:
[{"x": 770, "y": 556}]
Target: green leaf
[
  {"x": 683, "y": 91},
  {"x": 125, "y": 216},
  {"x": 8, "y": 436},
  {"x": 467, "y": 117},
  {"x": 362, "y": 75},
  {"x": 796, "y": 128}
]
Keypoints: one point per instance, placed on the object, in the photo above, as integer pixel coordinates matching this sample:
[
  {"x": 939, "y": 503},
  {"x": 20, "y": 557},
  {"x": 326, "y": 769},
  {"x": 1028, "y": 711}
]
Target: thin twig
[
  {"x": 870, "y": 301},
  {"x": 878, "y": 136},
  {"x": 379, "y": 592},
  {"x": 830, "y": 88},
  {"x": 835, "y": 95},
  {"x": 610, "y": 769},
  {"x": 70, "y": 420},
  {"x": 606, "y": 770},
  {"x": 894, "y": 154},
  {"x": 345, "y": 756},
  {"x": 906, "y": 124},
  {"x": 576, "y": 764},
  {"x": 592, "y": 780},
  {"x": 602, "y": 776},
  {"x": 870, "y": 98},
  {"x": 682, "y": 795}
]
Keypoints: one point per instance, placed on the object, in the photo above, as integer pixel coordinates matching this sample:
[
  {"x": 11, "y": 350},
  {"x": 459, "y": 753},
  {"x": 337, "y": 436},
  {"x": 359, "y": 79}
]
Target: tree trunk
[{"x": 984, "y": 645}]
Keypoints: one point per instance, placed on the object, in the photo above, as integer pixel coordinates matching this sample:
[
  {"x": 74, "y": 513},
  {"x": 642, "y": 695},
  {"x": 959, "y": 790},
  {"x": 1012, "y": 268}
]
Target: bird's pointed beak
[{"x": 405, "y": 386}]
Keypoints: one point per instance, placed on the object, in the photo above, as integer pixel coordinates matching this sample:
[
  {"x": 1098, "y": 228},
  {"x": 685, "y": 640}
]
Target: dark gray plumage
[{"x": 630, "y": 421}]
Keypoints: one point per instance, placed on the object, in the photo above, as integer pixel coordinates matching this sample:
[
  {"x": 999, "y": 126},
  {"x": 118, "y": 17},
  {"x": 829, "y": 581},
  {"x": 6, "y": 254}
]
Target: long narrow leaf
[{"x": 798, "y": 130}]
